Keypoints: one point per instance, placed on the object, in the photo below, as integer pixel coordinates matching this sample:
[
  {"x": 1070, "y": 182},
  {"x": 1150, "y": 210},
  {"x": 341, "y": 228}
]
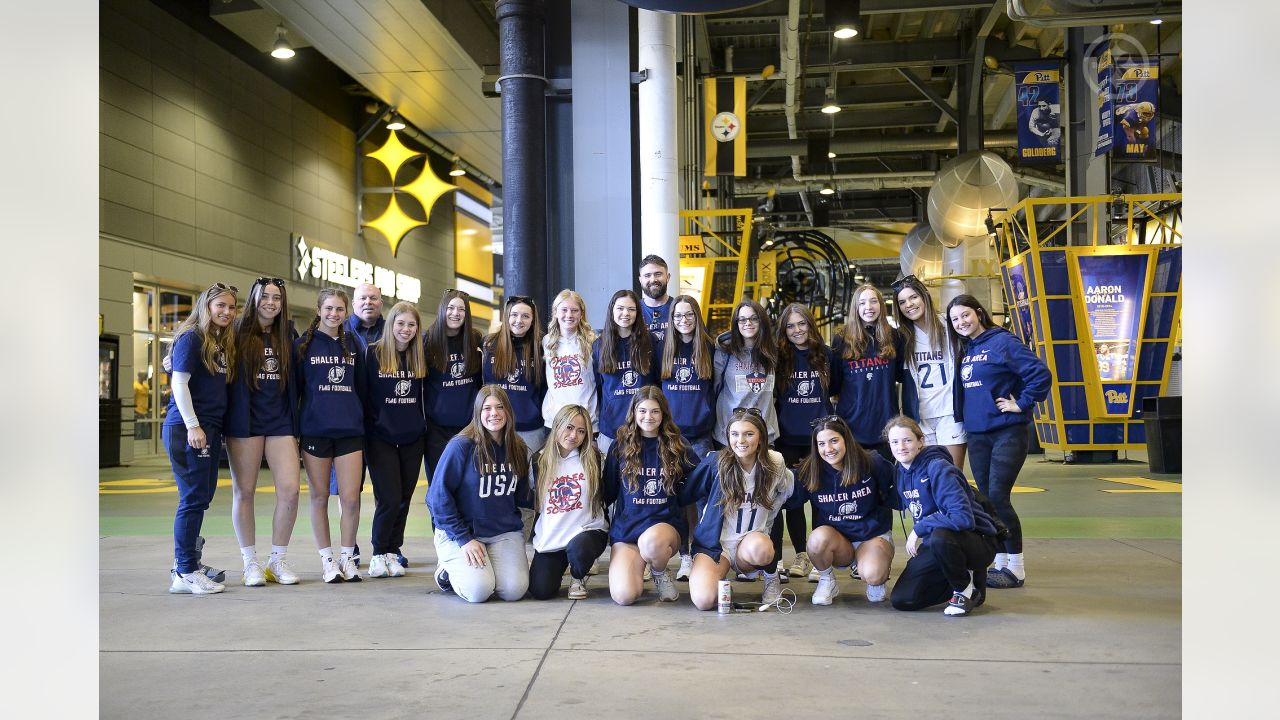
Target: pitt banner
[
  {"x": 1102, "y": 145},
  {"x": 1039, "y": 112},
  {"x": 725, "y": 106},
  {"x": 1114, "y": 292},
  {"x": 1135, "y": 91}
]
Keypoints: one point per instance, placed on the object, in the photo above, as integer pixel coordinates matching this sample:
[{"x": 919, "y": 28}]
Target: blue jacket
[
  {"x": 268, "y": 409},
  {"x": 635, "y": 512},
  {"x": 393, "y": 404},
  {"x": 705, "y": 487},
  {"x": 331, "y": 387},
  {"x": 449, "y": 395},
  {"x": 802, "y": 398},
  {"x": 369, "y": 335},
  {"x": 866, "y": 389},
  {"x": 691, "y": 398},
  {"x": 859, "y": 511},
  {"x": 614, "y": 390},
  {"x": 938, "y": 496},
  {"x": 522, "y": 386},
  {"x": 996, "y": 364},
  {"x": 468, "y": 503}
]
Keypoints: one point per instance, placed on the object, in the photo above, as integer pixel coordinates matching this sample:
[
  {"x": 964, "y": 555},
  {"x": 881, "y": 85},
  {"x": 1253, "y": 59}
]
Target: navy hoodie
[
  {"x": 267, "y": 409},
  {"x": 802, "y": 398},
  {"x": 393, "y": 405},
  {"x": 331, "y": 387},
  {"x": 997, "y": 364},
  {"x": 649, "y": 504},
  {"x": 868, "y": 398},
  {"x": 938, "y": 496},
  {"x": 522, "y": 386},
  {"x": 614, "y": 390},
  {"x": 689, "y": 396},
  {"x": 468, "y": 502},
  {"x": 449, "y": 395},
  {"x": 658, "y": 319},
  {"x": 859, "y": 511}
]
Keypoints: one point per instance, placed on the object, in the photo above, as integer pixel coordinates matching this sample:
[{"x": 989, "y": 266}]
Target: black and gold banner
[{"x": 725, "y": 107}]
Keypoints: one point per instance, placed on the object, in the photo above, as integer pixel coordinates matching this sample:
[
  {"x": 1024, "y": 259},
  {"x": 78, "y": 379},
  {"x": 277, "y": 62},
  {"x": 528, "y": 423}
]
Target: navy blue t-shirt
[
  {"x": 614, "y": 390},
  {"x": 208, "y": 390},
  {"x": 689, "y": 395},
  {"x": 658, "y": 319},
  {"x": 263, "y": 411},
  {"x": 393, "y": 405}
]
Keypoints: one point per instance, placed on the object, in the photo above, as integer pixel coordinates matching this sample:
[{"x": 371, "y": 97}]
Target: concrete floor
[{"x": 1096, "y": 632}]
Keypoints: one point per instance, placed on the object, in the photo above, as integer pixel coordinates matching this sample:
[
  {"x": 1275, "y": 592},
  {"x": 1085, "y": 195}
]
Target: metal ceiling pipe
[
  {"x": 524, "y": 167},
  {"x": 1066, "y": 13},
  {"x": 790, "y": 69},
  {"x": 915, "y": 142},
  {"x": 659, "y": 176},
  {"x": 872, "y": 181}
]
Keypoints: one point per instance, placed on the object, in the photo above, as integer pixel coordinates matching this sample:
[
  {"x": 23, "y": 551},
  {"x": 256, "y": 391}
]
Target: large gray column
[
  {"x": 1086, "y": 174},
  {"x": 603, "y": 209},
  {"x": 659, "y": 174},
  {"x": 524, "y": 197}
]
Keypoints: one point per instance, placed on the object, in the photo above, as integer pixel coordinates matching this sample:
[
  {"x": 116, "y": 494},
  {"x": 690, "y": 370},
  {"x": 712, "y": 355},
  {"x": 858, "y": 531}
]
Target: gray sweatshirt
[{"x": 742, "y": 384}]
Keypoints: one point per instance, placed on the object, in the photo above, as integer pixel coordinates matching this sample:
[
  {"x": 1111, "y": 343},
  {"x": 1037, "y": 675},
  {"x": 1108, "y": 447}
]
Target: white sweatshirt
[{"x": 568, "y": 507}]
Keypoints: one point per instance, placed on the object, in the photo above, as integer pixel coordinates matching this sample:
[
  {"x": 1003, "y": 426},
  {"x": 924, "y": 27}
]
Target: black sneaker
[
  {"x": 979, "y": 591},
  {"x": 958, "y": 605},
  {"x": 442, "y": 580},
  {"x": 403, "y": 562},
  {"x": 356, "y": 555},
  {"x": 213, "y": 574}
]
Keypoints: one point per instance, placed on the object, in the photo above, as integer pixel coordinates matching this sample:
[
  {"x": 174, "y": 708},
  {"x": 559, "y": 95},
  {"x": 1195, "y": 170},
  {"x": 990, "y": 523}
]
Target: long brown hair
[
  {"x": 502, "y": 344},
  {"x": 703, "y": 346},
  {"x": 856, "y": 337},
  {"x": 816, "y": 346},
  {"x": 549, "y": 458},
  {"x": 984, "y": 317},
  {"x": 610, "y": 338},
  {"x": 857, "y": 463},
  {"x": 931, "y": 322},
  {"x": 248, "y": 332},
  {"x": 672, "y": 449},
  {"x": 733, "y": 490},
  {"x": 436, "y": 337},
  {"x": 385, "y": 347},
  {"x": 764, "y": 351},
  {"x": 486, "y": 451},
  {"x": 213, "y": 339},
  {"x": 310, "y": 334}
]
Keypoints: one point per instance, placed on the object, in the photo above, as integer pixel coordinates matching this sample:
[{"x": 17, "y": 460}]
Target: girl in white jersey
[
  {"x": 930, "y": 363},
  {"x": 745, "y": 486},
  {"x": 567, "y": 351}
]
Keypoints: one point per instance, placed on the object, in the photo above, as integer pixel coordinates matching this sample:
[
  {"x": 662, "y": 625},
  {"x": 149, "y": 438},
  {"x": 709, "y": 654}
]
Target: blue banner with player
[
  {"x": 1105, "y": 129},
  {"x": 1135, "y": 93},
  {"x": 1114, "y": 295},
  {"x": 1016, "y": 282},
  {"x": 1039, "y": 94}
]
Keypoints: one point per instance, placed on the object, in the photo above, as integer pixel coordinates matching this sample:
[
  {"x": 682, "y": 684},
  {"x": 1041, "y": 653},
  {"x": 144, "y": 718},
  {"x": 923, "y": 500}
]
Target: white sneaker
[
  {"x": 686, "y": 567},
  {"x": 578, "y": 589},
  {"x": 826, "y": 591},
  {"x": 801, "y": 566},
  {"x": 813, "y": 573},
  {"x": 772, "y": 589},
  {"x": 254, "y": 576},
  {"x": 278, "y": 571},
  {"x": 667, "y": 591},
  {"x": 875, "y": 593},
  {"x": 394, "y": 568},
  {"x": 196, "y": 583},
  {"x": 782, "y": 573},
  {"x": 648, "y": 574},
  {"x": 378, "y": 566},
  {"x": 329, "y": 571},
  {"x": 853, "y": 572},
  {"x": 350, "y": 570},
  {"x": 746, "y": 577}
]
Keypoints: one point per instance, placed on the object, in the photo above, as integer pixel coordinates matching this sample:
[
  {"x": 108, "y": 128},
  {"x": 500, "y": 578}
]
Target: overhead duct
[
  {"x": 967, "y": 188},
  {"x": 1074, "y": 13},
  {"x": 872, "y": 181},
  {"x": 914, "y": 142}
]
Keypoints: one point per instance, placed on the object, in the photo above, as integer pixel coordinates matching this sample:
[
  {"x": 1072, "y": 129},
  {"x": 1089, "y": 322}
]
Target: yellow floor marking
[
  {"x": 1016, "y": 488},
  {"x": 1147, "y": 484},
  {"x": 148, "y": 486}
]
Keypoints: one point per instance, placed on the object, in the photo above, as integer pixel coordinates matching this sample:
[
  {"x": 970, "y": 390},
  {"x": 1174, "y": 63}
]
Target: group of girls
[{"x": 688, "y": 445}]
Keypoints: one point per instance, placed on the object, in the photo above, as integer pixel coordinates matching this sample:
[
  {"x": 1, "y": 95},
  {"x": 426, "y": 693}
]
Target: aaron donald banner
[
  {"x": 1039, "y": 112},
  {"x": 1114, "y": 289},
  {"x": 1135, "y": 95}
]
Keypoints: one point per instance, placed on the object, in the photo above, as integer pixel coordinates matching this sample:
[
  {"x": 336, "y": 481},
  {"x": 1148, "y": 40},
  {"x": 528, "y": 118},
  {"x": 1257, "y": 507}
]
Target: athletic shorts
[
  {"x": 322, "y": 447},
  {"x": 887, "y": 537},
  {"x": 943, "y": 430}
]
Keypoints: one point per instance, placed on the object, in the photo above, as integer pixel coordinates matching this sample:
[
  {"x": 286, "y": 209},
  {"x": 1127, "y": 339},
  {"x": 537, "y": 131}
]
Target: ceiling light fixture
[
  {"x": 831, "y": 155},
  {"x": 844, "y": 17},
  {"x": 829, "y": 105},
  {"x": 456, "y": 170},
  {"x": 1156, "y": 21},
  {"x": 281, "y": 50},
  {"x": 827, "y": 189},
  {"x": 395, "y": 122}
]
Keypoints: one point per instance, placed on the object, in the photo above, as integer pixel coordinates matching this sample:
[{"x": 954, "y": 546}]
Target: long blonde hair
[
  {"x": 213, "y": 339},
  {"x": 385, "y": 347},
  {"x": 856, "y": 338},
  {"x": 586, "y": 334},
  {"x": 548, "y": 462}
]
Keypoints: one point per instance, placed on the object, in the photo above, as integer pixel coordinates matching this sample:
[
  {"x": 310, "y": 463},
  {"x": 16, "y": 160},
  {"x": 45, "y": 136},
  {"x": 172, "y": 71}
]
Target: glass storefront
[{"x": 157, "y": 312}]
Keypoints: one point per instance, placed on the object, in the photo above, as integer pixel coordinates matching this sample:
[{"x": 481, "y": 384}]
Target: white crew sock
[
  {"x": 278, "y": 551},
  {"x": 249, "y": 554},
  {"x": 348, "y": 552},
  {"x": 828, "y": 573},
  {"x": 968, "y": 591},
  {"x": 326, "y": 553},
  {"x": 1001, "y": 561},
  {"x": 1016, "y": 566}
]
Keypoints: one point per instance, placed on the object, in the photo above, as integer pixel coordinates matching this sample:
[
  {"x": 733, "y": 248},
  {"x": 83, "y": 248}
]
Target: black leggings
[
  {"x": 796, "y": 523},
  {"x": 547, "y": 568},
  {"x": 942, "y": 567},
  {"x": 996, "y": 458},
  {"x": 393, "y": 470},
  {"x": 437, "y": 438}
]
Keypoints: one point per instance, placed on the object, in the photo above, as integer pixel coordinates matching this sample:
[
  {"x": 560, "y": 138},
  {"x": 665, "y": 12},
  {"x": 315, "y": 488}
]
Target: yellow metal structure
[
  {"x": 717, "y": 276},
  {"x": 1095, "y": 402}
]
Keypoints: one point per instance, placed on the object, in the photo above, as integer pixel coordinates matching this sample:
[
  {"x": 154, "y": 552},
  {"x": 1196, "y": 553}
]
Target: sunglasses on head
[
  {"x": 823, "y": 420},
  {"x": 278, "y": 282},
  {"x": 748, "y": 411},
  {"x": 909, "y": 281},
  {"x": 218, "y": 288},
  {"x": 519, "y": 299}
]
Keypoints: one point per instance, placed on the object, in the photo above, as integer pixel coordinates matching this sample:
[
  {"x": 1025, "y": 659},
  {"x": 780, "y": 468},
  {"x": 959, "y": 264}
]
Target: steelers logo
[
  {"x": 271, "y": 365},
  {"x": 402, "y": 388},
  {"x": 336, "y": 373},
  {"x": 726, "y": 126}
]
